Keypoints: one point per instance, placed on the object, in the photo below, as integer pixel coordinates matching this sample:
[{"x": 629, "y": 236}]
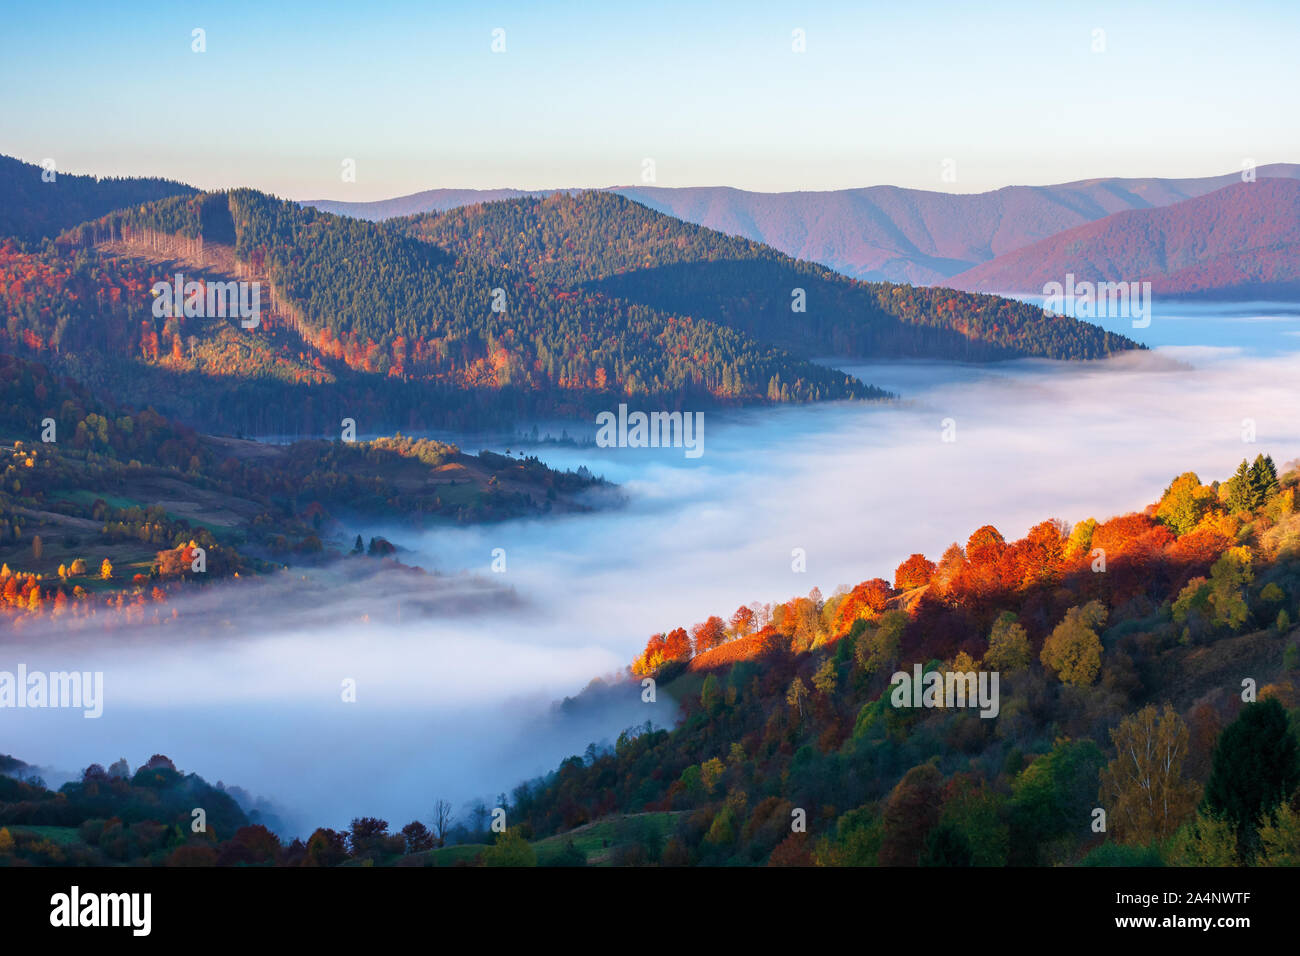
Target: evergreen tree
[
  {"x": 1256, "y": 767},
  {"x": 1263, "y": 480},
  {"x": 1239, "y": 489}
]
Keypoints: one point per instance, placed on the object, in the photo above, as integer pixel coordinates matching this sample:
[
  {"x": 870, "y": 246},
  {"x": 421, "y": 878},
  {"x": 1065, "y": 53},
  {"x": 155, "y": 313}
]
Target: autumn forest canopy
[{"x": 487, "y": 315}]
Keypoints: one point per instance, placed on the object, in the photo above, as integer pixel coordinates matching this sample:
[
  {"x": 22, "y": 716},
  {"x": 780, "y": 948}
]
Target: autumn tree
[
  {"x": 915, "y": 572},
  {"x": 1073, "y": 649},
  {"x": 677, "y": 645},
  {"x": 792, "y": 851},
  {"x": 1206, "y": 840},
  {"x": 910, "y": 813},
  {"x": 1279, "y": 838},
  {"x": 878, "y": 647},
  {"x": 824, "y": 679},
  {"x": 1038, "y": 556},
  {"x": 709, "y": 634},
  {"x": 106, "y": 570},
  {"x": 366, "y": 835},
  {"x": 797, "y": 694},
  {"x": 326, "y": 847},
  {"x": 985, "y": 546},
  {"x": 742, "y": 622},
  {"x": 1143, "y": 789},
  {"x": 417, "y": 836},
  {"x": 711, "y": 772},
  {"x": 951, "y": 566},
  {"x": 1219, "y": 601},
  {"x": 1009, "y": 649},
  {"x": 1184, "y": 503},
  {"x": 868, "y": 599},
  {"x": 1080, "y": 541}
]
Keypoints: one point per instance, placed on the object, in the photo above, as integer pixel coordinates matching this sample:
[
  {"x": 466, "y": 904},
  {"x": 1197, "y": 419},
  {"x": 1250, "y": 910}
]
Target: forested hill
[
  {"x": 380, "y": 303},
  {"x": 1164, "y": 637},
  {"x": 599, "y": 241},
  {"x": 36, "y": 203}
]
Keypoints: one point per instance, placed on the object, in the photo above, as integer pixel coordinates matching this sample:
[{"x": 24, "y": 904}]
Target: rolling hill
[
  {"x": 600, "y": 242},
  {"x": 360, "y": 321}
]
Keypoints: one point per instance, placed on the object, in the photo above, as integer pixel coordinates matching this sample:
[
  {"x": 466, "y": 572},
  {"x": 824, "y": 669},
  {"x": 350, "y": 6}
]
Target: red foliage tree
[{"x": 915, "y": 572}]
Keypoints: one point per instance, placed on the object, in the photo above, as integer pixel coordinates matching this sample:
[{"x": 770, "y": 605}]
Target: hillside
[
  {"x": 362, "y": 321},
  {"x": 32, "y": 208},
  {"x": 131, "y": 488},
  {"x": 879, "y": 233},
  {"x": 603, "y": 243},
  {"x": 1242, "y": 241},
  {"x": 792, "y": 711}
]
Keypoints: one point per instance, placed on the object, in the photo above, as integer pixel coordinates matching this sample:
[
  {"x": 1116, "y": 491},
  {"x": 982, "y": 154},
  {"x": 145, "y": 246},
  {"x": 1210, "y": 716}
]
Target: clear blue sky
[{"x": 1011, "y": 92}]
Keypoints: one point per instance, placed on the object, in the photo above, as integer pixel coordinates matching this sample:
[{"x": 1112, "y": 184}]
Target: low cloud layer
[{"x": 455, "y": 690}]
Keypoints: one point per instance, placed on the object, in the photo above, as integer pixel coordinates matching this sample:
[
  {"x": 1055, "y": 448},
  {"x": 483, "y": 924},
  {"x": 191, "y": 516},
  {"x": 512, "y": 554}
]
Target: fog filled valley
[{"x": 458, "y": 675}]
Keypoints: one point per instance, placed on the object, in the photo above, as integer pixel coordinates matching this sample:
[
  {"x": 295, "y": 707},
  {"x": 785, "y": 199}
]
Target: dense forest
[
  {"x": 1148, "y": 667},
  {"x": 36, "y": 203},
  {"x": 602, "y": 242},
  {"x": 1147, "y": 715},
  {"x": 372, "y": 312}
]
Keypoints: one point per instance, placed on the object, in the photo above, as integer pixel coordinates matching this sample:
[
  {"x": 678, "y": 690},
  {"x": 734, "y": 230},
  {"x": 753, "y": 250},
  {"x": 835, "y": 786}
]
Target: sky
[{"x": 949, "y": 96}]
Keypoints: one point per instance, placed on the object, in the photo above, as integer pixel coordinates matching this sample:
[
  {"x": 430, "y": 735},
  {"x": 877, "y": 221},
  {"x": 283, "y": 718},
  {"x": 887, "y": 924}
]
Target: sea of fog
[{"x": 456, "y": 675}]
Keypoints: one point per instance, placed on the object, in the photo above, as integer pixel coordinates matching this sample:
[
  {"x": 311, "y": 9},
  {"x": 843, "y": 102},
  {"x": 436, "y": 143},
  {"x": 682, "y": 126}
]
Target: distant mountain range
[
  {"x": 1240, "y": 241},
  {"x": 879, "y": 232},
  {"x": 475, "y": 317},
  {"x": 1008, "y": 241}
]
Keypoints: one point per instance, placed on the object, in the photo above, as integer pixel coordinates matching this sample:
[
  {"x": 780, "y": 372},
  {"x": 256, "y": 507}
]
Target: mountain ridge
[
  {"x": 882, "y": 232},
  {"x": 1240, "y": 241}
]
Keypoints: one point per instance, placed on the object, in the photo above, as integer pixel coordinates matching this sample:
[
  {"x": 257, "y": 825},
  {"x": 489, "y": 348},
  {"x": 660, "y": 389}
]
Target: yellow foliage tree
[
  {"x": 797, "y": 694},
  {"x": 710, "y": 773},
  {"x": 1279, "y": 839},
  {"x": 1205, "y": 841},
  {"x": 1073, "y": 649},
  {"x": 824, "y": 679},
  {"x": 1008, "y": 645},
  {"x": 1143, "y": 787}
]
